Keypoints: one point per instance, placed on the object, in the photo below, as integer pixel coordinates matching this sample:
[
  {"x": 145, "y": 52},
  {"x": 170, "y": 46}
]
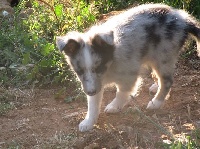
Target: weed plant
[
  {"x": 28, "y": 52},
  {"x": 188, "y": 143}
]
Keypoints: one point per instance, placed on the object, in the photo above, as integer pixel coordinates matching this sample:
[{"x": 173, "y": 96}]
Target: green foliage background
[
  {"x": 27, "y": 45},
  {"x": 28, "y": 54}
]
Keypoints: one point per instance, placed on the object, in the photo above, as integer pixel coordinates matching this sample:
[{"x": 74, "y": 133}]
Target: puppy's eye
[
  {"x": 80, "y": 72},
  {"x": 100, "y": 69},
  {"x": 93, "y": 70}
]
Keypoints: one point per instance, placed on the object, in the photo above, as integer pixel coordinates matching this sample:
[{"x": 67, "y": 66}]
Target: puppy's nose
[{"x": 91, "y": 93}]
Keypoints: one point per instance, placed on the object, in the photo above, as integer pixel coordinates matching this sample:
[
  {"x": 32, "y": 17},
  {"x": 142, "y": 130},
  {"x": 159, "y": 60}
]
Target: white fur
[
  {"x": 198, "y": 48},
  {"x": 153, "y": 88},
  {"x": 154, "y": 104},
  {"x": 88, "y": 66},
  {"x": 94, "y": 103},
  {"x": 87, "y": 58},
  {"x": 61, "y": 42}
]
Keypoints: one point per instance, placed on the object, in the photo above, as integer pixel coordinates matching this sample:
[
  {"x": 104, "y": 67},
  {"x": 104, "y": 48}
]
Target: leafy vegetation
[
  {"x": 28, "y": 52},
  {"x": 105, "y": 6},
  {"x": 188, "y": 143}
]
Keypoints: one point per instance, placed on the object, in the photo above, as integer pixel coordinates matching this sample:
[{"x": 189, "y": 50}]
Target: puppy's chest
[{"x": 116, "y": 72}]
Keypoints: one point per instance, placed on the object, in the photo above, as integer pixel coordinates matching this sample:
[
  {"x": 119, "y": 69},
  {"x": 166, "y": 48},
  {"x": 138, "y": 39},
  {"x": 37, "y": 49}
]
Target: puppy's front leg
[{"x": 94, "y": 104}]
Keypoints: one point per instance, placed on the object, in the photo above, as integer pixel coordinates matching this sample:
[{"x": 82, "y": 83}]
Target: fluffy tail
[{"x": 194, "y": 29}]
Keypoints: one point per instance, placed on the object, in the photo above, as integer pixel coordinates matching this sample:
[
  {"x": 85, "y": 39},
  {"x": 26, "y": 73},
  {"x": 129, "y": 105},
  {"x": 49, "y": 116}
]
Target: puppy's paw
[
  {"x": 86, "y": 125},
  {"x": 154, "y": 104},
  {"x": 112, "y": 108},
  {"x": 153, "y": 88}
]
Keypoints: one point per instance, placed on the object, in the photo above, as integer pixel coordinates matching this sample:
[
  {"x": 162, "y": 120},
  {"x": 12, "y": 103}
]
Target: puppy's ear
[
  {"x": 103, "y": 39},
  {"x": 67, "y": 45},
  {"x": 103, "y": 43}
]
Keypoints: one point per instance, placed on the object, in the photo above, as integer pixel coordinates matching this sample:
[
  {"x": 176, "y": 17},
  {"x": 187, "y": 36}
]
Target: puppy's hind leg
[{"x": 154, "y": 87}]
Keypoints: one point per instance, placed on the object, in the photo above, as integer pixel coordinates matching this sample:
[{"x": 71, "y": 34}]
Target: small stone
[
  {"x": 167, "y": 141},
  {"x": 5, "y": 13}
]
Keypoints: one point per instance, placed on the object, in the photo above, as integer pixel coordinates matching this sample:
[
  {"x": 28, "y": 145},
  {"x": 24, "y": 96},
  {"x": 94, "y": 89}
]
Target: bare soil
[{"x": 42, "y": 121}]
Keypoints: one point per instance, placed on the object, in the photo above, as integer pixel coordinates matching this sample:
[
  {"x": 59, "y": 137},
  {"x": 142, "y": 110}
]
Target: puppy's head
[{"x": 89, "y": 55}]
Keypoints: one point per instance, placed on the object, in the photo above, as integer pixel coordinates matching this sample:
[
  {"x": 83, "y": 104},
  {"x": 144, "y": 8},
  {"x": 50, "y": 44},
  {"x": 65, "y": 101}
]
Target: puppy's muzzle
[{"x": 91, "y": 93}]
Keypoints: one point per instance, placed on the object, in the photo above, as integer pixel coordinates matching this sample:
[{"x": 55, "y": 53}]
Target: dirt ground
[{"x": 42, "y": 121}]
